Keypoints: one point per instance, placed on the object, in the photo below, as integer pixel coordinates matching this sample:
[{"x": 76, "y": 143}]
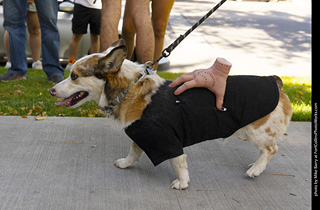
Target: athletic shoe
[
  {"x": 8, "y": 65},
  {"x": 37, "y": 65},
  {"x": 68, "y": 67},
  {"x": 11, "y": 76},
  {"x": 56, "y": 78}
]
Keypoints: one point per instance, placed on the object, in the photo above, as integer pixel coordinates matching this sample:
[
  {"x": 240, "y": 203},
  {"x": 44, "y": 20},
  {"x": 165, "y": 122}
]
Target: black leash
[{"x": 166, "y": 52}]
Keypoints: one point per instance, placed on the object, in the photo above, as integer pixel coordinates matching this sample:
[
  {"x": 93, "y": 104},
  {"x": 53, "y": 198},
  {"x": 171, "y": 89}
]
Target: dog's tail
[{"x": 279, "y": 81}]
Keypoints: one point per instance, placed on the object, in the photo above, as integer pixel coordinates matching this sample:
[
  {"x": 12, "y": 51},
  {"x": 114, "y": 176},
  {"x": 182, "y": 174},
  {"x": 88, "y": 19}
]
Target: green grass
[
  {"x": 299, "y": 91},
  {"x": 31, "y": 97}
]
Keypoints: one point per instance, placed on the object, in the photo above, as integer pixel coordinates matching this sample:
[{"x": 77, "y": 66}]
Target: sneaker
[
  {"x": 8, "y": 65},
  {"x": 68, "y": 67},
  {"x": 56, "y": 78},
  {"x": 37, "y": 65},
  {"x": 11, "y": 76}
]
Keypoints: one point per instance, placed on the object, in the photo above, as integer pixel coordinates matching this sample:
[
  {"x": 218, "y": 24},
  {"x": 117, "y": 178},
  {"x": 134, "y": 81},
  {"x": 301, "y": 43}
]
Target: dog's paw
[
  {"x": 179, "y": 185},
  {"x": 254, "y": 170},
  {"x": 123, "y": 163}
]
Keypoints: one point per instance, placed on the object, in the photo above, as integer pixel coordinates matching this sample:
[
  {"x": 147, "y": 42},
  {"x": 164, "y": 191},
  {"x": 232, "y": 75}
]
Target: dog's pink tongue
[{"x": 66, "y": 100}]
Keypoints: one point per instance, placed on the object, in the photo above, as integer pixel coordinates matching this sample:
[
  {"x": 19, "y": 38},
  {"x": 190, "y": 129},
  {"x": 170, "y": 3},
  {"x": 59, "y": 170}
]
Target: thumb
[
  {"x": 219, "y": 90},
  {"x": 219, "y": 97},
  {"x": 219, "y": 102}
]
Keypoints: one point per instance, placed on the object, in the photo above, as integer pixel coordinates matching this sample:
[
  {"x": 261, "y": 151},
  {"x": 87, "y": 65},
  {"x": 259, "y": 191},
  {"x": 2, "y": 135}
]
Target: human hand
[{"x": 213, "y": 78}]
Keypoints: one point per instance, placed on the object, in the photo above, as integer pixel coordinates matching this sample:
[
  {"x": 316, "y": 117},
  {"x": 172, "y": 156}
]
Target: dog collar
[{"x": 108, "y": 110}]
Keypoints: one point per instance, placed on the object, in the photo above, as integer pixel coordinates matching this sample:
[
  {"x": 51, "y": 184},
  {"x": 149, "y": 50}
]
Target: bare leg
[
  {"x": 160, "y": 16},
  {"x": 145, "y": 38},
  {"x": 128, "y": 30},
  {"x": 94, "y": 43},
  {"x": 33, "y": 26},
  {"x": 74, "y": 45},
  {"x": 7, "y": 44},
  {"x": 134, "y": 155},
  {"x": 179, "y": 164},
  {"x": 110, "y": 16}
]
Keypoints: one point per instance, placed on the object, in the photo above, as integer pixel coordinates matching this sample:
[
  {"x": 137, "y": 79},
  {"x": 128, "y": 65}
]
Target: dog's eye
[{"x": 74, "y": 76}]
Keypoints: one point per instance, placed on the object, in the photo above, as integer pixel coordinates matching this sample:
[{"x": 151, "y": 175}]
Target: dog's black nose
[{"x": 52, "y": 91}]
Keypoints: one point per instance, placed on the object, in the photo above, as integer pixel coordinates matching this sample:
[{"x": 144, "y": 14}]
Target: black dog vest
[{"x": 171, "y": 122}]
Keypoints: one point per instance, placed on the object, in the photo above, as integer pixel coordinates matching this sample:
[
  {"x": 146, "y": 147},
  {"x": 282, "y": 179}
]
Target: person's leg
[
  {"x": 80, "y": 21},
  {"x": 7, "y": 44},
  {"x": 94, "y": 43},
  {"x": 33, "y": 26},
  {"x": 74, "y": 45},
  {"x": 145, "y": 37},
  {"x": 128, "y": 30},
  {"x": 95, "y": 30},
  {"x": 15, "y": 13},
  {"x": 7, "y": 48},
  {"x": 160, "y": 17},
  {"x": 50, "y": 40},
  {"x": 111, "y": 12}
]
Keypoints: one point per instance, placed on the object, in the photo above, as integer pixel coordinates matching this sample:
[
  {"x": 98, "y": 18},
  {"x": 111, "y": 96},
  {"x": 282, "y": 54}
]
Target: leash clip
[{"x": 149, "y": 67}]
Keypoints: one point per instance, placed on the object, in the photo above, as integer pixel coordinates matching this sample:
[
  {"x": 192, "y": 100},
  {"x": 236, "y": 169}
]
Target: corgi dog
[{"x": 162, "y": 124}]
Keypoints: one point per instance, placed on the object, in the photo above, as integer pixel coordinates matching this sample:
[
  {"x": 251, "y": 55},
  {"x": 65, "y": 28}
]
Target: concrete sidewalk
[
  {"x": 258, "y": 38},
  {"x": 67, "y": 163}
]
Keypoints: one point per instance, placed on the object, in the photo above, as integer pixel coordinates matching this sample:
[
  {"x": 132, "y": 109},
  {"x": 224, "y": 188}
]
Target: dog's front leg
[
  {"x": 134, "y": 155},
  {"x": 180, "y": 166}
]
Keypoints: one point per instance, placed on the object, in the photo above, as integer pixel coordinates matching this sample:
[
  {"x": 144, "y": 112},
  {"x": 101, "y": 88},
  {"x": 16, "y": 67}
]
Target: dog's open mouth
[{"x": 73, "y": 99}]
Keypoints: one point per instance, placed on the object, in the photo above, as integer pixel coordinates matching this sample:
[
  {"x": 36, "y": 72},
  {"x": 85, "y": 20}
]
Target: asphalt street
[{"x": 258, "y": 38}]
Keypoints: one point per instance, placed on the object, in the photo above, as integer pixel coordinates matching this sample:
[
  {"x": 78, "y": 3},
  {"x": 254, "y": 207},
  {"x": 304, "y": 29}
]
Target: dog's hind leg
[
  {"x": 263, "y": 135},
  {"x": 134, "y": 155},
  {"x": 180, "y": 166},
  {"x": 260, "y": 165}
]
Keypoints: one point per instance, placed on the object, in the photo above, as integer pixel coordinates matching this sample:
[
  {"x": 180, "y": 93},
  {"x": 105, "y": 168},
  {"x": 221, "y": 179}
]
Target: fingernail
[{"x": 222, "y": 109}]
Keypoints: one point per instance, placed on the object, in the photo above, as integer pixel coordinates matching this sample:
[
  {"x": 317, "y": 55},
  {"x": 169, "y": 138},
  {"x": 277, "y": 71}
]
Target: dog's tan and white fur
[{"x": 102, "y": 76}]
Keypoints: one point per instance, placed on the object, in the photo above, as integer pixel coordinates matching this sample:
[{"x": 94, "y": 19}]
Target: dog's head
[{"x": 93, "y": 77}]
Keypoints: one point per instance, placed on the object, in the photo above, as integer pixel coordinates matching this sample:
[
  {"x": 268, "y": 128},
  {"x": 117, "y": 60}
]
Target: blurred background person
[
  {"x": 33, "y": 27},
  {"x": 137, "y": 21},
  {"x": 150, "y": 32},
  {"x": 86, "y": 12},
  {"x": 15, "y": 15},
  {"x": 110, "y": 16}
]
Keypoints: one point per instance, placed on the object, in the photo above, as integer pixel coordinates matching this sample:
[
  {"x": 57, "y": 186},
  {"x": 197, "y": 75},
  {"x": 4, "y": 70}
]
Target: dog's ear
[
  {"x": 111, "y": 63},
  {"x": 118, "y": 43}
]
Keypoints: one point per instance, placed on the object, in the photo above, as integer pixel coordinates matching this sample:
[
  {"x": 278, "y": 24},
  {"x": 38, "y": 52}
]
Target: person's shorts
[{"x": 82, "y": 16}]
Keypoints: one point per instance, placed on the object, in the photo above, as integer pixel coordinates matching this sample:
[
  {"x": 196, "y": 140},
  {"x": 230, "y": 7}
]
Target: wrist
[{"x": 221, "y": 66}]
